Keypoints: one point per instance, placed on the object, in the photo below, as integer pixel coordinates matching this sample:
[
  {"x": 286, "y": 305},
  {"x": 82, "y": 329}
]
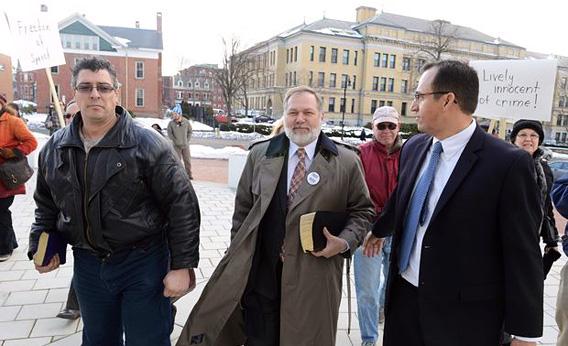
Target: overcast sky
[{"x": 193, "y": 29}]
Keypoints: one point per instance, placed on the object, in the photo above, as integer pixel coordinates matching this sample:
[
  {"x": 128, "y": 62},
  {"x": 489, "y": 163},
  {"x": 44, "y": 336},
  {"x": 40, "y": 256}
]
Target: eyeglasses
[
  {"x": 103, "y": 88},
  {"x": 418, "y": 96},
  {"x": 384, "y": 126}
]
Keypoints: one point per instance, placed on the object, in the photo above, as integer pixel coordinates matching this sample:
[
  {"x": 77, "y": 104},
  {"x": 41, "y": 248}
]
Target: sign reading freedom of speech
[
  {"x": 515, "y": 89},
  {"x": 36, "y": 41}
]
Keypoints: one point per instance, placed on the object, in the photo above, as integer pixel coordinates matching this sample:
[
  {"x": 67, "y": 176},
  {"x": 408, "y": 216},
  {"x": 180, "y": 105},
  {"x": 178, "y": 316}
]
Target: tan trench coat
[{"x": 311, "y": 286}]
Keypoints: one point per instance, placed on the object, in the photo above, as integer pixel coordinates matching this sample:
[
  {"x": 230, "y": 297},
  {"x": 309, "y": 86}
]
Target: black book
[
  {"x": 48, "y": 246},
  {"x": 312, "y": 224}
]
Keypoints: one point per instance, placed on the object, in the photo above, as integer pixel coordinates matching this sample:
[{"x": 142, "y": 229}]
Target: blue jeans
[
  {"x": 370, "y": 283},
  {"x": 124, "y": 294}
]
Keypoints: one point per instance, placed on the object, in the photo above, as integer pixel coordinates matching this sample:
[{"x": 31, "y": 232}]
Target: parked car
[
  {"x": 559, "y": 167},
  {"x": 263, "y": 119}
]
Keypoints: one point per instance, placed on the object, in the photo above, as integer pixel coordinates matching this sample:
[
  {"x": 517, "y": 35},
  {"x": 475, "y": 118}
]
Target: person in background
[
  {"x": 16, "y": 142},
  {"x": 380, "y": 162},
  {"x": 559, "y": 196},
  {"x": 71, "y": 311},
  {"x": 179, "y": 131}
]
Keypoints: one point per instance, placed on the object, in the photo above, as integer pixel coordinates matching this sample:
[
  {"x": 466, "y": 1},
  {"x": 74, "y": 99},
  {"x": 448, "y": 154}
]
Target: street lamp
[{"x": 346, "y": 83}]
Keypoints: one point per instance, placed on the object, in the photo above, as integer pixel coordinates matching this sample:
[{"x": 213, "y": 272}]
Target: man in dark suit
[{"x": 465, "y": 261}]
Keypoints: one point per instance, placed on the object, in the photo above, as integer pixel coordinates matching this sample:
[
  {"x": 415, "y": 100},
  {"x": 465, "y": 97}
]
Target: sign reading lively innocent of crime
[
  {"x": 515, "y": 89},
  {"x": 36, "y": 41}
]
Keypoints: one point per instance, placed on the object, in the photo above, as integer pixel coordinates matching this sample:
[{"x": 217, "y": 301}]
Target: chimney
[
  {"x": 43, "y": 8},
  {"x": 365, "y": 13},
  {"x": 159, "y": 22},
  {"x": 137, "y": 24}
]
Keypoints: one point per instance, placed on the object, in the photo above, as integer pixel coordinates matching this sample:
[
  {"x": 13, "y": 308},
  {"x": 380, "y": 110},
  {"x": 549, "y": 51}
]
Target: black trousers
[
  {"x": 402, "y": 324},
  {"x": 262, "y": 320},
  {"x": 7, "y": 236}
]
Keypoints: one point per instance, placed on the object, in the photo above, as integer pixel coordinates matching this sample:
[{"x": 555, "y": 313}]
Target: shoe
[
  {"x": 6, "y": 256},
  {"x": 368, "y": 343},
  {"x": 69, "y": 314},
  {"x": 381, "y": 316}
]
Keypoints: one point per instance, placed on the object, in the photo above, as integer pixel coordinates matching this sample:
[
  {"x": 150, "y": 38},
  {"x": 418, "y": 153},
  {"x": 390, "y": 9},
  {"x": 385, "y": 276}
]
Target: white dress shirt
[{"x": 452, "y": 149}]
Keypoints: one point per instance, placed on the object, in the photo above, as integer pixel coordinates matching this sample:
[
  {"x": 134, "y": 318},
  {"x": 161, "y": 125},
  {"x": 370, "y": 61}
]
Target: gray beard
[{"x": 302, "y": 140}]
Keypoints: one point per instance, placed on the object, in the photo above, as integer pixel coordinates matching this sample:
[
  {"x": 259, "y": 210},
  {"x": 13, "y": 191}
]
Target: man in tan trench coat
[{"x": 266, "y": 290}]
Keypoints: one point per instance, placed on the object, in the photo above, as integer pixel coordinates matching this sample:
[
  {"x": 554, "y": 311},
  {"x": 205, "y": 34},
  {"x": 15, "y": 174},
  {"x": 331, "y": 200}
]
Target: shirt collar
[
  {"x": 454, "y": 144},
  {"x": 310, "y": 149}
]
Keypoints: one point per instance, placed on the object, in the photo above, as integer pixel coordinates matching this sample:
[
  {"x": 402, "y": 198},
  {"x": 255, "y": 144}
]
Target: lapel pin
[{"x": 313, "y": 178}]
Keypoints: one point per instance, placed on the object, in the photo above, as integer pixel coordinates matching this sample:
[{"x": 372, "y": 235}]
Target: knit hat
[
  {"x": 385, "y": 114},
  {"x": 527, "y": 124}
]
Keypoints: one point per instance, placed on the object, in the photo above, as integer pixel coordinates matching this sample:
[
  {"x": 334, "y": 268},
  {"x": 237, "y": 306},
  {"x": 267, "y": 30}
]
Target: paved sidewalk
[{"x": 29, "y": 301}]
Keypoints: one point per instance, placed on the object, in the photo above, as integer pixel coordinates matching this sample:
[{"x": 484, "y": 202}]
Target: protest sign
[
  {"x": 36, "y": 41},
  {"x": 515, "y": 89}
]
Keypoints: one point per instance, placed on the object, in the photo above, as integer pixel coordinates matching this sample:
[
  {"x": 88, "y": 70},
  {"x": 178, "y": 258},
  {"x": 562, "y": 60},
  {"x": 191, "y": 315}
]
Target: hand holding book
[
  {"x": 52, "y": 265},
  {"x": 334, "y": 245}
]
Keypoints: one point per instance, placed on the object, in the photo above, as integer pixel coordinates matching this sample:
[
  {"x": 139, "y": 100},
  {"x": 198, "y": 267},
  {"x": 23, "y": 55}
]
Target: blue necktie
[{"x": 418, "y": 208}]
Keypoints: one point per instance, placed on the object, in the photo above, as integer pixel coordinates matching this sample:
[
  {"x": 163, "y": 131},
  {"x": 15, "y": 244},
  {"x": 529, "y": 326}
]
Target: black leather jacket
[{"x": 129, "y": 190}]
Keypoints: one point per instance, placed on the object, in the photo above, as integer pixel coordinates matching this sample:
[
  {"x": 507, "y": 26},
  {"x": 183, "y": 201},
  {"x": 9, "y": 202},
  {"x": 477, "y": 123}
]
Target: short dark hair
[
  {"x": 94, "y": 64},
  {"x": 459, "y": 78}
]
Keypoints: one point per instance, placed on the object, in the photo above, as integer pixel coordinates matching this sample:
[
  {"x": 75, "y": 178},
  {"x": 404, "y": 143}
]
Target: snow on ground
[{"x": 195, "y": 125}]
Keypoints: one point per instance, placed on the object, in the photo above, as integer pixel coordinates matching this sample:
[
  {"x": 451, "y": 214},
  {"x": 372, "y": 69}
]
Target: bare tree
[
  {"x": 439, "y": 39},
  {"x": 234, "y": 74}
]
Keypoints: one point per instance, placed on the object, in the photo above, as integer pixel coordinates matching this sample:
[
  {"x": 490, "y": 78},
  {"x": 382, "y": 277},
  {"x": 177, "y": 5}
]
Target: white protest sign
[
  {"x": 36, "y": 41},
  {"x": 515, "y": 89}
]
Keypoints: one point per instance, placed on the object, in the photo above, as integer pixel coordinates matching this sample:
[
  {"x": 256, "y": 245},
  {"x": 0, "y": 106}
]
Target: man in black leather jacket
[{"x": 119, "y": 196}]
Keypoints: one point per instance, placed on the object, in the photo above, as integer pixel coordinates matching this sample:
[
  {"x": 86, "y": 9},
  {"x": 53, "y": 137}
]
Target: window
[
  {"x": 344, "y": 80},
  {"x": 420, "y": 64},
  {"x": 332, "y": 80},
  {"x": 139, "y": 97},
  {"x": 287, "y": 55},
  {"x": 385, "y": 60},
  {"x": 389, "y": 103},
  {"x": 404, "y": 86},
  {"x": 563, "y": 140},
  {"x": 311, "y": 78},
  {"x": 354, "y": 80},
  {"x": 346, "y": 57},
  {"x": 352, "y": 105},
  {"x": 294, "y": 79},
  {"x": 391, "y": 85},
  {"x": 403, "y": 108},
  {"x": 381, "y": 103},
  {"x": 295, "y": 53},
  {"x": 375, "y": 83},
  {"x": 377, "y": 60},
  {"x": 196, "y": 84},
  {"x": 322, "y": 54},
  {"x": 77, "y": 44},
  {"x": 557, "y": 137},
  {"x": 563, "y": 83},
  {"x": 206, "y": 85},
  {"x": 383, "y": 86},
  {"x": 342, "y": 105},
  {"x": 54, "y": 69},
  {"x": 392, "y": 61},
  {"x": 373, "y": 106},
  {"x": 406, "y": 64},
  {"x": 355, "y": 58},
  {"x": 189, "y": 84},
  {"x": 312, "y": 53},
  {"x": 321, "y": 79},
  {"x": 331, "y": 105},
  {"x": 179, "y": 95},
  {"x": 140, "y": 70},
  {"x": 286, "y": 75},
  {"x": 180, "y": 83},
  {"x": 334, "y": 55}
]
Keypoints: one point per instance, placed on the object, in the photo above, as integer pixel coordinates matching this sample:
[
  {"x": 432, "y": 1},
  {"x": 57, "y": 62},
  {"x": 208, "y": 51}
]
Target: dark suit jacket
[{"x": 481, "y": 267}]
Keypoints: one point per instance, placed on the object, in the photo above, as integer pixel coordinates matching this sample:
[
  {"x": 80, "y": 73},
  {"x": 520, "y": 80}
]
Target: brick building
[
  {"x": 135, "y": 53},
  {"x": 196, "y": 86}
]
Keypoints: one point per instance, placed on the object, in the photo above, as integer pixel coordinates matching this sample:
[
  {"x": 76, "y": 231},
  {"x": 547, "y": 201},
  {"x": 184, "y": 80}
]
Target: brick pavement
[{"x": 29, "y": 301}]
